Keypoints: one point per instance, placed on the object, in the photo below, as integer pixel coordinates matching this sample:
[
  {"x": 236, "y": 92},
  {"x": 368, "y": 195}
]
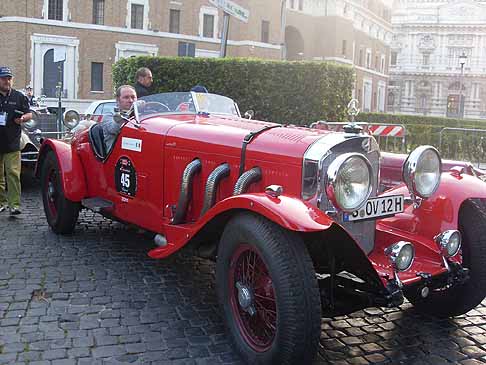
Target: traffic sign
[{"x": 232, "y": 9}]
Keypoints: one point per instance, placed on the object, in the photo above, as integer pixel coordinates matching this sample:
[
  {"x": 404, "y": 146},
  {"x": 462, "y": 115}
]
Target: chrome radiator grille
[{"x": 362, "y": 231}]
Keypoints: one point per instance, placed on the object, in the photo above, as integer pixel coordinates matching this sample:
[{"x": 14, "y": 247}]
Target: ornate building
[
  {"x": 438, "y": 58},
  {"x": 353, "y": 32}
]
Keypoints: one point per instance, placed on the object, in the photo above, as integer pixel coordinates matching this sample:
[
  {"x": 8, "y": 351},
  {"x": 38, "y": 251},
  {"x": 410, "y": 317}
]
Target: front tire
[
  {"x": 268, "y": 291},
  {"x": 61, "y": 213},
  {"x": 461, "y": 299}
]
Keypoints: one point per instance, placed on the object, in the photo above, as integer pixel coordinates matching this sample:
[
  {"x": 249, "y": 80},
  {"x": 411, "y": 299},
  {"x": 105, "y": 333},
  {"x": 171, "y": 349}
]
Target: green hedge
[
  {"x": 424, "y": 130},
  {"x": 279, "y": 91}
]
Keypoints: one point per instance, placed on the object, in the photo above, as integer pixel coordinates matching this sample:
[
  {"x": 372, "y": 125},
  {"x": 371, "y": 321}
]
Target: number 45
[{"x": 125, "y": 180}]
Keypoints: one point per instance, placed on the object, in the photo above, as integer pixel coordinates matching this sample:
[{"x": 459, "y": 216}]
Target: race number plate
[
  {"x": 125, "y": 177},
  {"x": 377, "y": 208}
]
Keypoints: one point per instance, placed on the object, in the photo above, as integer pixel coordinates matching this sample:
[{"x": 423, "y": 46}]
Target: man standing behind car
[
  {"x": 125, "y": 97},
  {"x": 144, "y": 81},
  {"x": 14, "y": 110}
]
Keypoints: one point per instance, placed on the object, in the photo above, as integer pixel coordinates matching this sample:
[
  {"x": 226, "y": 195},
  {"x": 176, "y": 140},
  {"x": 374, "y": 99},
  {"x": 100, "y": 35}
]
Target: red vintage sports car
[
  {"x": 392, "y": 163},
  {"x": 291, "y": 215}
]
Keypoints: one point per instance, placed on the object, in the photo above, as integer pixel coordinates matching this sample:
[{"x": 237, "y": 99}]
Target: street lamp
[{"x": 462, "y": 61}]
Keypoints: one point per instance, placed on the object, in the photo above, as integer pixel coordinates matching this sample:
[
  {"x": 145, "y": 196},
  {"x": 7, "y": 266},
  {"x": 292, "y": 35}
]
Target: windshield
[{"x": 184, "y": 103}]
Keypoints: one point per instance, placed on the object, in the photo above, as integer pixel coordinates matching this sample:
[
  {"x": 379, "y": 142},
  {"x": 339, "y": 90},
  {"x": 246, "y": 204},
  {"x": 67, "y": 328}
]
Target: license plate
[{"x": 377, "y": 207}]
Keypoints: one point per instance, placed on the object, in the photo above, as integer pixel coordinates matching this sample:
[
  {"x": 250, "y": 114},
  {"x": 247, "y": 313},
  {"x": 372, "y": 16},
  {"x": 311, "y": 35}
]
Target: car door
[{"x": 133, "y": 173}]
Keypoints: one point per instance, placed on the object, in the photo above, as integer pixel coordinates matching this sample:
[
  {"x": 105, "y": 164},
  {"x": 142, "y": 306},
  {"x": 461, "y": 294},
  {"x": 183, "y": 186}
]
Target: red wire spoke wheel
[
  {"x": 268, "y": 291},
  {"x": 61, "y": 213}
]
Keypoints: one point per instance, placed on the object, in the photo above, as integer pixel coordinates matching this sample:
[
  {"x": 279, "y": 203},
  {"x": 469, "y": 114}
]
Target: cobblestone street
[{"x": 96, "y": 297}]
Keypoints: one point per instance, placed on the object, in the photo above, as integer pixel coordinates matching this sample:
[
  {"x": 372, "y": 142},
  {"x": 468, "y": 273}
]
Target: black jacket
[
  {"x": 14, "y": 105},
  {"x": 142, "y": 90}
]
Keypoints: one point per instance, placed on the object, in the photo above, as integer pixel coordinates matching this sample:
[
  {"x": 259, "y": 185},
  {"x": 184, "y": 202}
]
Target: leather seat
[{"x": 97, "y": 141}]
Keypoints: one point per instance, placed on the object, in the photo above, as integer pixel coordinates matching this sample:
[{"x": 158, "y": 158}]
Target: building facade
[
  {"x": 353, "y": 32},
  {"x": 90, "y": 35},
  {"x": 438, "y": 58}
]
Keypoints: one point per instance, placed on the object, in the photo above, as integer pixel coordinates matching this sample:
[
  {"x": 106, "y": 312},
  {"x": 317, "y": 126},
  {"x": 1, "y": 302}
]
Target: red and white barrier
[{"x": 379, "y": 130}]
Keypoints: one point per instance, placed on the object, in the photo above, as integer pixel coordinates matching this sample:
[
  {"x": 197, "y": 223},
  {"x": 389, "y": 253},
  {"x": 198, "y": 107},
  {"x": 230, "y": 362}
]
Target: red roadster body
[
  {"x": 292, "y": 216},
  {"x": 391, "y": 169}
]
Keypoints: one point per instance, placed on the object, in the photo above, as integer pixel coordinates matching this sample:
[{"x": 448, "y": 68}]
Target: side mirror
[{"x": 249, "y": 114}]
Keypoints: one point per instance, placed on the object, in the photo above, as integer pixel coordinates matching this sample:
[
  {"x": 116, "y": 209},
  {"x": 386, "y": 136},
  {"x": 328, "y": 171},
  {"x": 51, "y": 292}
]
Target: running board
[{"x": 97, "y": 204}]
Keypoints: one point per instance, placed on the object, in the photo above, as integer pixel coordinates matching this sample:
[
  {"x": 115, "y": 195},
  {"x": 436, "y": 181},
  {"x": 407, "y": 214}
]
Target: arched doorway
[
  {"x": 294, "y": 44},
  {"x": 51, "y": 74}
]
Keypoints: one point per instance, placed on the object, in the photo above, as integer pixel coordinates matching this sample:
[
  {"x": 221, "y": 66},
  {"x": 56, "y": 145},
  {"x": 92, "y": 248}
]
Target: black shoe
[
  {"x": 15, "y": 211},
  {"x": 3, "y": 208}
]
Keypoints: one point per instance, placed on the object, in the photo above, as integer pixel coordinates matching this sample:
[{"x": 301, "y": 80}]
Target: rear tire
[
  {"x": 461, "y": 299},
  {"x": 61, "y": 213},
  {"x": 263, "y": 264}
]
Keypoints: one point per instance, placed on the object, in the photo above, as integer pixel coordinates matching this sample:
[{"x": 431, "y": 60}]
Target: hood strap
[{"x": 247, "y": 140}]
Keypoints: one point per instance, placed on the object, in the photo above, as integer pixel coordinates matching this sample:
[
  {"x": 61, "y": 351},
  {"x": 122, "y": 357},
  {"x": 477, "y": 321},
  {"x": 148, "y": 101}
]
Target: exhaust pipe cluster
[{"x": 212, "y": 184}]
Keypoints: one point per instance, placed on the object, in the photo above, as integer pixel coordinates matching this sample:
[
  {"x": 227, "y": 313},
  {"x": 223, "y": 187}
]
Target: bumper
[{"x": 395, "y": 290}]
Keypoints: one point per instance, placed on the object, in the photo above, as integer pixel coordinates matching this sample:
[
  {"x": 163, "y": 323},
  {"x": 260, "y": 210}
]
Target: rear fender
[{"x": 72, "y": 174}]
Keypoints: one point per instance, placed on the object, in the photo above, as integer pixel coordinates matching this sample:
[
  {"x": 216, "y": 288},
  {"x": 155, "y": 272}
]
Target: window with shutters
[
  {"x": 96, "y": 76},
  {"x": 174, "y": 21},
  {"x": 99, "y": 12},
  {"x": 55, "y": 10},
  {"x": 137, "y": 16}
]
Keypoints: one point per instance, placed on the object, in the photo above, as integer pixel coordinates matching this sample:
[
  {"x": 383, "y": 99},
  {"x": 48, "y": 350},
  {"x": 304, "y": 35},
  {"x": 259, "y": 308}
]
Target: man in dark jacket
[
  {"x": 14, "y": 110},
  {"x": 144, "y": 81}
]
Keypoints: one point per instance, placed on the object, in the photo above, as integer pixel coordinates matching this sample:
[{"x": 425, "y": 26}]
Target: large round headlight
[
  {"x": 348, "y": 181},
  {"x": 401, "y": 255},
  {"x": 421, "y": 171},
  {"x": 32, "y": 123},
  {"x": 71, "y": 119}
]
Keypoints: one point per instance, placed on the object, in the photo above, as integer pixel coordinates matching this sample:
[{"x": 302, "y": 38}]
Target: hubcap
[
  {"x": 245, "y": 298},
  {"x": 51, "y": 192}
]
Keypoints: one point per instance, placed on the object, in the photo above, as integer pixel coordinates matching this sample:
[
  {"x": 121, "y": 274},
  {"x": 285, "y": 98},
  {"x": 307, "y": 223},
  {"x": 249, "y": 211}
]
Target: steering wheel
[
  {"x": 155, "y": 107},
  {"x": 185, "y": 107}
]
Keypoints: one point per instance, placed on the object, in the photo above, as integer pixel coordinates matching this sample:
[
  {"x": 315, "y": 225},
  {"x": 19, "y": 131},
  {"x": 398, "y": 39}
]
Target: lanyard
[{"x": 5, "y": 102}]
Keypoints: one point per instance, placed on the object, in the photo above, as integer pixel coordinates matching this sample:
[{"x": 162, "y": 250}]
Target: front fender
[
  {"x": 72, "y": 174},
  {"x": 289, "y": 212},
  {"x": 439, "y": 212}
]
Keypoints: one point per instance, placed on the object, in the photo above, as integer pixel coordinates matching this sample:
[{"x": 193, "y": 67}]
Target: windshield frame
[{"x": 139, "y": 118}]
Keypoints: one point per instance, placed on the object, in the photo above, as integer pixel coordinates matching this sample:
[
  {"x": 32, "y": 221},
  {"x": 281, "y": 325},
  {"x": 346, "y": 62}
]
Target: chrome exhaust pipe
[
  {"x": 212, "y": 184},
  {"x": 246, "y": 179},
  {"x": 186, "y": 190}
]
